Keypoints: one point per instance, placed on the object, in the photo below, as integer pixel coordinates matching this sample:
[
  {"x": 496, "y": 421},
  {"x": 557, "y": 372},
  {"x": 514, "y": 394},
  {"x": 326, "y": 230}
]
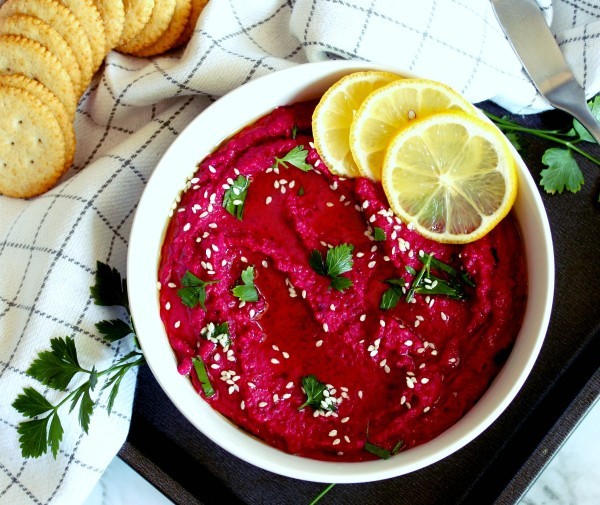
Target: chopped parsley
[
  {"x": 338, "y": 261},
  {"x": 381, "y": 452},
  {"x": 393, "y": 294},
  {"x": 246, "y": 291},
  {"x": 203, "y": 376},
  {"x": 425, "y": 282},
  {"x": 217, "y": 333},
  {"x": 193, "y": 291},
  {"x": 296, "y": 157},
  {"x": 315, "y": 395},
  {"x": 378, "y": 234},
  {"x": 234, "y": 198}
]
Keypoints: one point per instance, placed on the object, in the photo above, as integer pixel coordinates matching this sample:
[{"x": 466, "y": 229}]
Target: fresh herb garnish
[
  {"x": 246, "y": 291},
  {"x": 193, "y": 291},
  {"x": 563, "y": 171},
  {"x": 393, "y": 294},
  {"x": 203, "y": 376},
  {"x": 338, "y": 261},
  {"x": 425, "y": 282},
  {"x": 217, "y": 333},
  {"x": 315, "y": 394},
  {"x": 234, "y": 198},
  {"x": 57, "y": 367},
  {"x": 301, "y": 191},
  {"x": 296, "y": 157},
  {"x": 378, "y": 234},
  {"x": 294, "y": 131},
  {"x": 381, "y": 452}
]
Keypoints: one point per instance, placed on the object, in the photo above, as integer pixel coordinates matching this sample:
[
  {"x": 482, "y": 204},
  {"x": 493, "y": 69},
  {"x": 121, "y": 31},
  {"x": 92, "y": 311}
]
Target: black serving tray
[{"x": 495, "y": 468}]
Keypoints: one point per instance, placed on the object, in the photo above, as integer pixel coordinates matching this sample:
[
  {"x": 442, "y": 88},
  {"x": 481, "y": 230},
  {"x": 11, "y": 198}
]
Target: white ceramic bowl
[{"x": 226, "y": 116}]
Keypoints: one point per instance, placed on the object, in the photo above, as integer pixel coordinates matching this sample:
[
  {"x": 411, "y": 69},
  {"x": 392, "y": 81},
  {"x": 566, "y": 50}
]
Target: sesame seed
[
  {"x": 275, "y": 397},
  {"x": 382, "y": 323},
  {"x": 187, "y": 227},
  {"x": 382, "y": 362},
  {"x": 168, "y": 306},
  {"x": 408, "y": 343},
  {"x": 286, "y": 396},
  {"x": 424, "y": 380},
  {"x": 345, "y": 419},
  {"x": 275, "y": 347},
  {"x": 347, "y": 438},
  {"x": 252, "y": 313},
  {"x": 319, "y": 343},
  {"x": 252, "y": 385},
  {"x": 372, "y": 219},
  {"x": 268, "y": 200},
  {"x": 362, "y": 317},
  {"x": 387, "y": 369},
  {"x": 443, "y": 316},
  {"x": 360, "y": 394},
  {"x": 333, "y": 433},
  {"x": 244, "y": 259},
  {"x": 426, "y": 409},
  {"x": 286, "y": 355},
  {"x": 212, "y": 225},
  {"x": 265, "y": 264},
  {"x": 374, "y": 248},
  {"x": 275, "y": 361},
  {"x": 332, "y": 307},
  {"x": 336, "y": 441},
  {"x": 214, "y": 366},
  {"x": 262, "y": 404},
  {"x": 372, "y": 264},
  {"x": 289, "y": 385},
  {"x": 242, "y": 405},
  {"x": 325, "y": 327},
  {"x": 360, "y": 254},
  {"x": 329, "y": 204},
  {"x": 365, "y": 204},
  {"x": 177, "y": 324}
]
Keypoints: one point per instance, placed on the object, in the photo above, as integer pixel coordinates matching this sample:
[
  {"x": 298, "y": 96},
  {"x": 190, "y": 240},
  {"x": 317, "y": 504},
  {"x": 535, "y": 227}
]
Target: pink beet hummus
[{"x": 396, "y": 374}]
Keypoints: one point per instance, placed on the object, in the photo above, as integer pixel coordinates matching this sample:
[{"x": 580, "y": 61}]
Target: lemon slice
[
  {"x": 451, "y": 175},
  {"x": 391, "y": 108},
  {"x": 334, "y": 113}
]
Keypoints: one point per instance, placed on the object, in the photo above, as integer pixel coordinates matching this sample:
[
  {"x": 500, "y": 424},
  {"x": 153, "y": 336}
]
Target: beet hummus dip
[{"x": 299, "y": 275}]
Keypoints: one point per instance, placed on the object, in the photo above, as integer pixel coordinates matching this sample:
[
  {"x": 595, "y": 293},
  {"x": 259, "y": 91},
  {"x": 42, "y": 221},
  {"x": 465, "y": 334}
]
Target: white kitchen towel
[{"x": 132, "y": 112}]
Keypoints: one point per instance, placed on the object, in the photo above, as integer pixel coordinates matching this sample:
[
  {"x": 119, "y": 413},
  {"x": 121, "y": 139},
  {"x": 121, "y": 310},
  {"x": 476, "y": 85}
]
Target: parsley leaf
[
  {"x": 315, "y": 394},
  {"x": 378, "y": 234},
  {"x": 234, "y": 198},
  {"x": 381, "y": 452},
  {"x": 193, "y": 291},
  {"x": 562, "y": 172},
  {"x": 246, "y": 292},
  {"x": 203, "y": 376},
  {"x": 579, "y": 129},
  {"x": 392, "y": 296},
  {"x": 56, "y": 368},
  {"x": 109, "y": 288},
  {"x": 338, "y": 261},
  {"x": 296, "y": 157}
]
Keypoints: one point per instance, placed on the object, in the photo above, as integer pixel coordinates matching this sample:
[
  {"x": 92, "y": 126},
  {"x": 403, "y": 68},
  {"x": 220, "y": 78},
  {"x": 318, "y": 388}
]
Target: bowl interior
[{"x": 246, "y": 104}]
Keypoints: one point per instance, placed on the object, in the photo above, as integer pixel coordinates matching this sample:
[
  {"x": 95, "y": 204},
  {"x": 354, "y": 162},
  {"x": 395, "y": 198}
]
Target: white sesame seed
[
  {"x": 275, "y": 397},
  {"x": 187, "y": 227},
  {"x": 372, "y": 264},
  {"x": 333, "y": 433},
  {"x": 212, "y": 225},
  {"x": 345, "y": 420},
  {"x": 275, "y": 361},
  {"x": 347, "y": 438},
  {"x": 424, "y": 380},
  {"x": 319, "y": 343},
  {"x": 214, "y": 366},
  {"x": 387, "y": 369},
  {"x": 360, "y": 254},
  {"x": 382, "y": 323},
  {"x": 262, "y": 404},
  {"x": 329, "y": 204},
  {"x": 336, "y": 441},
  {"x": 289, "y": 385},
  {"x": 168, "y": 306},
  {"x": 242, "y": 405},
  {"x": 443, "y": 316},
  {"x": 426, "y": 409},
  {"x": 408, "y": 343},
  {"x": 244, "y": 259},
  {"x": 325, "y": 327},
  {"x": 332, "y": 307},
  {"x": 265, "y": 264},
  {"x": 360, "y": 394},
  {"x": 365, "y": 204},
  {"x": 177, "y": 324},
  {"x": 362, "y": 317}
]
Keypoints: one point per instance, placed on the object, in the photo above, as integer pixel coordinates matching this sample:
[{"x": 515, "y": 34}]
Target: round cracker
[
  {"x": 19, "y": 55},
  {"x": 62, "y": 20},
  {"x": 32, "y": 149},
  {"x": 112, "y": 13},
  {"x": 137, "y": 14},
  {"x": 36, "y": 29},
  {"x": 53, "y": 103},
  {"x": 173, "y": 32},
  {"x": 89, "y": 17},
  {"x": 157, "y": 24},
  {"x": 197, "y": 8}
]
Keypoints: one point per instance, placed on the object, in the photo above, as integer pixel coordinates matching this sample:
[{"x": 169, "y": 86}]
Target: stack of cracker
[{"x": 49, "y": 53}]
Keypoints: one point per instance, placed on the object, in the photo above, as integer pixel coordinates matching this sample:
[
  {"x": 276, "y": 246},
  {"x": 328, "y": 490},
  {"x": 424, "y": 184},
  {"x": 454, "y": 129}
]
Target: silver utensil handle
[{"x": 570, "y": 98}]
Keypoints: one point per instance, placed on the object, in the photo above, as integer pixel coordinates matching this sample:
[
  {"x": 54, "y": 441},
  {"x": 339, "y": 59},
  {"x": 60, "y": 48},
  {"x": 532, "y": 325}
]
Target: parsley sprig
[
  {"x": 246, "y": 291},
  {"x": 315, "y": 394},
  {"x": 56, "y": 368},
  {"x": 563, "y": 171},
  {"x": 337, "y": 262},
  {"x": 193, "y": 290},
  {"x": 234, "y": 198},
  {"x": 296, "y": 157}
]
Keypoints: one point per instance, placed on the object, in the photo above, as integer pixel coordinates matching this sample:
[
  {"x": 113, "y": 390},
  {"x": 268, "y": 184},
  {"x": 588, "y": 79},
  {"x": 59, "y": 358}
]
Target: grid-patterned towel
[{"x": 136, "y": 107}]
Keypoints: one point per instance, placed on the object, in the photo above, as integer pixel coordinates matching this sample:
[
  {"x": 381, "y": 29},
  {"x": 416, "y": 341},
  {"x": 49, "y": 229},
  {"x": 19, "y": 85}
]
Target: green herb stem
[
  {"x": 552, "y": 135},
  {"x": 321, "y": 494}
]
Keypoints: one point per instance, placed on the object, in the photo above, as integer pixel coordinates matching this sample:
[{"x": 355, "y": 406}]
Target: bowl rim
[{"x": 178, "y": 163}]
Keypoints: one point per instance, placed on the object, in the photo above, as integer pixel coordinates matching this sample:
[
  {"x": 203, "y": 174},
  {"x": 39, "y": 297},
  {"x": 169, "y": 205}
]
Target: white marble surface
[{"x": 572, "y": 477}]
